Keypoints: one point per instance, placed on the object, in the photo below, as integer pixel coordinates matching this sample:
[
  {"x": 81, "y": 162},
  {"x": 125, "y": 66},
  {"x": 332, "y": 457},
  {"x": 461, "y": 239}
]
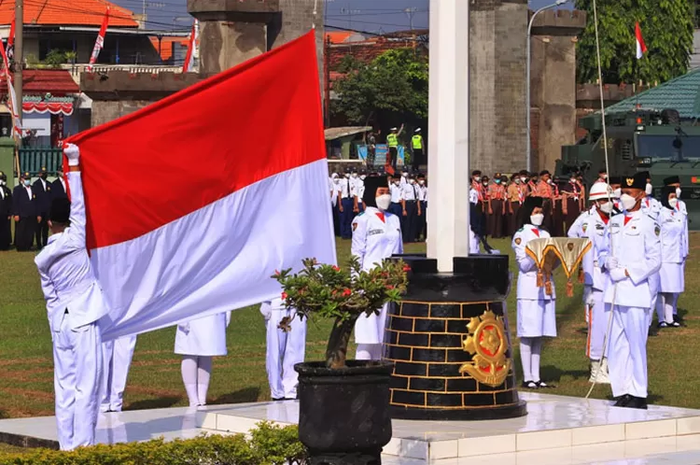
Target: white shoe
[{"x": 599, "y": 372}]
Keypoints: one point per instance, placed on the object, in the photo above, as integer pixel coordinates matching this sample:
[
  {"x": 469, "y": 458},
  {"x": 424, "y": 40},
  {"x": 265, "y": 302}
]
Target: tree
[
  {"x": 392, "y": 89},
  {"x": 667, "y": 26}
]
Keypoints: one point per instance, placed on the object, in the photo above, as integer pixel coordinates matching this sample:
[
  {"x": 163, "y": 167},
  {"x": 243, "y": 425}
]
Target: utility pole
[
  {"x": 19, "y": 53},
  {"x": 410, "y": 12}
]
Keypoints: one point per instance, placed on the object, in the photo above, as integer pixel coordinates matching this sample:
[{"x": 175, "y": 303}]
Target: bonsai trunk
[{"x": 337, "y": 349}]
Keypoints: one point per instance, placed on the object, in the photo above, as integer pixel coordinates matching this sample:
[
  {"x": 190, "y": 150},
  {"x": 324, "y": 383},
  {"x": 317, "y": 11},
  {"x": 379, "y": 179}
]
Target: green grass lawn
[{"x": 26, "y": 376}]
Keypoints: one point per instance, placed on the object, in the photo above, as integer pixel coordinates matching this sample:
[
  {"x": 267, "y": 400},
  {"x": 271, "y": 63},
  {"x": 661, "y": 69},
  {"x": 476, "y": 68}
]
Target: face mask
[
  {"x": 649, "y": 189},
  {"x": 336, "y": 181},
  {"x": 617, "y": 193},
  {"x": 498, "y": 181},
  {"x": 383, "y": 202},
  {"x": 362, "y": 176},
  {"x": 27, "y": 182},
  {"x": 421, "y": 182},
  {"x": 523, "y": 179},
  {"x": 486, "y": 183},
  {"x": 606, "y": 208},
  {"x": 604, "y": 176},
  {"x": 572, "y": 181},
  {"x": 628, "y": 202},
  {"x": 412, "y": 181},
  {"x": 404, "y": 174},
  {"x": 678, "y": 192},
  {"x": 2, "y": 183},
  {"x": 517, "y": 181},
  {"x": 347, "y": 175},
  {"x": 477, "y": 179},
  {"x": 396, "y": 183},
  {"x": 673, "y": 202},
  {"x": 354, "y": 175},
  {"x": 549, "y": 181},
  {"x": 537, "y": 219}
]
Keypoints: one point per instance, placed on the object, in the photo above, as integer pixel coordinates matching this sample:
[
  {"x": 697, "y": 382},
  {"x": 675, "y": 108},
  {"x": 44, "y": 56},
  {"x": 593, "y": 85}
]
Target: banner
[
  {"x": 99, "y": 43},
  {"x": 189, "y": 58}
]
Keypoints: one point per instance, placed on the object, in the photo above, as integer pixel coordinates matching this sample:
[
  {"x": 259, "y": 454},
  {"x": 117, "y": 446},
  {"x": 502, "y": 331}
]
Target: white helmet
[{"x": 600, "y": 190}]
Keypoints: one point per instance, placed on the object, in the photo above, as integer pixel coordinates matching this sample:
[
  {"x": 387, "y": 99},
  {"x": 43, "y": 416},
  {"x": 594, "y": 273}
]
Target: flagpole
[{"x": 19, "y": 54}]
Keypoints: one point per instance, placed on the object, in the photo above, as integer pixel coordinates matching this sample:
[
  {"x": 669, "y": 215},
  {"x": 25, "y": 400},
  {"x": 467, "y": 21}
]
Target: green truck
[{"x": 656, "y": 141}]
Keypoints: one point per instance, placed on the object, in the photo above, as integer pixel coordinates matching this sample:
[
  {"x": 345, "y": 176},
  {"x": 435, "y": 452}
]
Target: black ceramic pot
[{"x": 344, "y": 413}]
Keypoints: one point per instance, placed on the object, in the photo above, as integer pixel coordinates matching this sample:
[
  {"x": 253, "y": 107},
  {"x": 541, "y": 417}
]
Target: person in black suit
[
  {"x": 58, "y": 187},
  {"x": 26, "y": 212},
  {"x": 42, "y": 191},
  {"x": 5, "y": 213}
]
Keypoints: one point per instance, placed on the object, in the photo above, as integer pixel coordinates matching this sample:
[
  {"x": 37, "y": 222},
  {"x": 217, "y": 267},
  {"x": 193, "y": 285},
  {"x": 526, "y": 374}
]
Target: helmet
[{"x": 600, "y": 190}]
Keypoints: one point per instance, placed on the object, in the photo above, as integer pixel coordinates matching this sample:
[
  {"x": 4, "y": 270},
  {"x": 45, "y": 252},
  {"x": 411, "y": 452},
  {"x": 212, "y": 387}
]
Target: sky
[{"x": 375, "y": 16}]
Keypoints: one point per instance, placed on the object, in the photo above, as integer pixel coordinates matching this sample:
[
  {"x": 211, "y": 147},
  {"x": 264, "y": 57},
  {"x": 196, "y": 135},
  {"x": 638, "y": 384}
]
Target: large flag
[
  {"x": 191, "y": 45},
  {"x": 194, "y": 201},
  {"x": 641, "y": 46},
  {"x": 99, "y": 42}
]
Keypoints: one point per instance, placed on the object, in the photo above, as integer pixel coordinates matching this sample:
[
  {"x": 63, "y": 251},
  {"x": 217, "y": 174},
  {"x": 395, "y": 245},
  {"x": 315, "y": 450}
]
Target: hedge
[{"x": 266, "y": 445}]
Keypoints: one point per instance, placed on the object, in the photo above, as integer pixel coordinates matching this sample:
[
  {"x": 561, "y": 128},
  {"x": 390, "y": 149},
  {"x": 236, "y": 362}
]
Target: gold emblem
[
  {"x": 657, "y": 230},
  {"x": 630, "y": 181},
  {"x": 488, "y": 344}
]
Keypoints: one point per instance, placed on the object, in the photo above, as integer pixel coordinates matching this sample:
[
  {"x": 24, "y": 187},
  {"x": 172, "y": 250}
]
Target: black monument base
[{"x": 450, "y": 345}]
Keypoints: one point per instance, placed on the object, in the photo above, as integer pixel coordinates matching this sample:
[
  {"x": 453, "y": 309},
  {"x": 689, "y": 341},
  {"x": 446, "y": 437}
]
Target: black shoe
[
  {"x": 623, "y": 401},
  {"x": 675, "y": 324},
  {"x": 279, "y": 399},
  {"x": 543, "y": 385},
  {"x": 530, "y": 385},
  {"x": 637, "y": 402},
  {"x": 663, "y": 324}
]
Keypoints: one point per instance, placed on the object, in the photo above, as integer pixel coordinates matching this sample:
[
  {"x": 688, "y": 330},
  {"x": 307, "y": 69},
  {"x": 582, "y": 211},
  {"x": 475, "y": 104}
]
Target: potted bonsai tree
[{"x": 344, "y": 404}]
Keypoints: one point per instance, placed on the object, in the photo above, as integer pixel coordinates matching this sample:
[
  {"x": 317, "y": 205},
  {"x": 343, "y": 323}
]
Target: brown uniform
[
  {"x": 572, "y": 197},
  {"x": 558, "y": 213},
  {"x": 544, "y": 190},
  {"x": 515, "y": 194},
  {"x": 496, "y": 211}
]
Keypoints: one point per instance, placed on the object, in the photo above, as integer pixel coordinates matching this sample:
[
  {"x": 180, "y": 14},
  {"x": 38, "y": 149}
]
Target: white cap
[
  {"x": 394, "y": 129},
  {"x": 418, "y": 130},
  {"x": 600, "y": 190}
]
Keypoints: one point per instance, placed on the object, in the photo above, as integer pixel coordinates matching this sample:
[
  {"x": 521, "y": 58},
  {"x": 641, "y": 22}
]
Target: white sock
[
  {"x": 660, "y": 300},
  {"x": 189, "y": 378},
  {"x": 675, "y": 303},
  {"x": 536, "y": 351},
  {"x": 203, "y": 375},
  {"x": 669, "y": 305},
  {"x": 525, "y": 358},
  {"x": 368, "y": 352}
]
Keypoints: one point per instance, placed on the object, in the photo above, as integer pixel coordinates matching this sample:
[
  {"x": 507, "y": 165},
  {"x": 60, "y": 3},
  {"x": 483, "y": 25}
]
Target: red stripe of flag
[{"x": 641, "y": 46}]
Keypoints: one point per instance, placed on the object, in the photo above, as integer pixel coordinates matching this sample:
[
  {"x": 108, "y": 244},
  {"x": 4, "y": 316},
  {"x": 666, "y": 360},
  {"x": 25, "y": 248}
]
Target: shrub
[{"x": 266, "y": 445}]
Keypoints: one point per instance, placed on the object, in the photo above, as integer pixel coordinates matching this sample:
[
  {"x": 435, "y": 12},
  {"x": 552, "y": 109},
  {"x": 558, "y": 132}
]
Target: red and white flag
[
  {"x": 641, "y": 46},
  {"x": 12, "y": 103},
  {"x": 11, "y": 41},
  {"x": 99, "y": 43},
  {"x": 194, "y": 201},
  {"x": 192, "y": 44}
]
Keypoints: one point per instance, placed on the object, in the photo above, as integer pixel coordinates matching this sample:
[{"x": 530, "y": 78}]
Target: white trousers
[
  {"x": 628, "y": 350},
  {"x": 77, "y": 379},
  {"x": 117, "y": 356},
  {"x": 666, "y": 306},
  {"x": 284, "y": 350},
  {"x": 597, "y": 320}
]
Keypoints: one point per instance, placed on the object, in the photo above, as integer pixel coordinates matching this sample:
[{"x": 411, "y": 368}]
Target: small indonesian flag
[
  {"x": 191, "y": 206},
  {"x": 192, "y": 44},
  {"x": 641, "y": 46},
  {"x": 99, "y": 43}
]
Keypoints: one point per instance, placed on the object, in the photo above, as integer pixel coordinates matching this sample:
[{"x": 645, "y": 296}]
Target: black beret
[
  {"x": 60, "y": 210},
  {"x": 544, "y": 172},
  {"x": 615, "y": 180},
  {"x": 636, "y": 181},
  {"x": 672, "y": 180}
]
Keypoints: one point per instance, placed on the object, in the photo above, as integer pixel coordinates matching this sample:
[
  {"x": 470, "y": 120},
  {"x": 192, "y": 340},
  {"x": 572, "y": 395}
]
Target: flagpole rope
[
  {"x": 313, "y": 23},
  {"x": 607, "y": 170}
]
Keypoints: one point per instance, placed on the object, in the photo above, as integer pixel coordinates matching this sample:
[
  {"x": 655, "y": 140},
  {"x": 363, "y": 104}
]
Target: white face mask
[
  {"x": 604, "y": 176},
  {"x": 606, "y": 208},
  {"x": 421, "y": 182},
  {"x": 336, "y": 181},
  {"x": 396, "y": 183},
  {"x": 347, "y": 175},
  {"x": 477, "y": 179},
  {"x": 649, "y": 189},
  {"x": 404, "y": 174},
  {"x": 678, "y": 192},
  {"x": 2, "y": 183},
  {"x": 549, "y": 181},
  {"x": 628, "y": 202},
  {"x": 673, "y": 203},
  {"x": 354, "y": 175},
  {"x": 537, "y": 219},
  {"x": 412, "y": 181},
  {"x": 383, "y": 202},
  {"x": 362, "y": 176},
  {"x": 572, "y": 180},
  {"x": 617, "y": 193}
]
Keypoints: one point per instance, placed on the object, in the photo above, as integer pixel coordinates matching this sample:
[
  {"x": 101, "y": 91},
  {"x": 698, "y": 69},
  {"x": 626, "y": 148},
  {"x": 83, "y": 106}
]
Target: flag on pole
[
  {"x": 11, "y": 41},
  {"x": 192, "y": 44},
  {"x": 99, "y": 43},
  {"x": 182, "y": 222},
  {"x": 641, "y": 46},
  {"x": 12, "y": 103}
]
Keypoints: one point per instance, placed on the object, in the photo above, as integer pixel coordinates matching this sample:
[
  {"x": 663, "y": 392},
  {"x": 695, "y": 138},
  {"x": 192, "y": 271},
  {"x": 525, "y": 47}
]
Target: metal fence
[{"x": 35, "y": 158}]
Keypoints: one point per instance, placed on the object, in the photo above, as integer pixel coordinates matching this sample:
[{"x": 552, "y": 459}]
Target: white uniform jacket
[
  {"x": 634, "y": 239},
  {"x": 373, "y": 240},
  {"x": 67, "y": 278},
  {"x": 590, "y": 225},
  {"x": 527, "y": 278},
  {"x": 651, "y": 207},
  {"x": 674, "y": 236}
]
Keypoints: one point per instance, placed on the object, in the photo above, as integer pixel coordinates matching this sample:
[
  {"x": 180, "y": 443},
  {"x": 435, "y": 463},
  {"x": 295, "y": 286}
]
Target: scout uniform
[
  {"x": 376, "y": 236},
  {"x": 674, "y": 243},
  {"x": 545, "y": 191},
  {"x": 497, "y": 207},
  {"x": 514, "y": 198},
  {"x": 5, "y": 213},
  {"x": 631, "y": 256},
  {"x": 535, "y": 308},
  {"x": 42, "y": 191},
  {"x": 572, "y": 196},
  {"x": 286, "y": 346},
  {"x": 75, "y": 303},
  {"x": 25, "y": 209}
]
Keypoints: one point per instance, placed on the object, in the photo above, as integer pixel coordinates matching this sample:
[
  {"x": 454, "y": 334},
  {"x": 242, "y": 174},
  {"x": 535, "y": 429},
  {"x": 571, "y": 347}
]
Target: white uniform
[
  {"x": 651, "y": 207},
  {"x": 633, "y": 240},
  {"x": 203, "y": 336},
  {"x": 284, "y": 349},
  {"x": 674, "y": 243},
  {"x": 373, "y": 240},
  {"x": 334, "y": 188},
  {"x": 359, "y": 192},
  {"x": 591, "y": 225},
  {"x": 74, "y": 302},
  {"x": 117, "y": 357},
  {"x": 536, "y": 309},
  {"x": 395, "y": 192}
]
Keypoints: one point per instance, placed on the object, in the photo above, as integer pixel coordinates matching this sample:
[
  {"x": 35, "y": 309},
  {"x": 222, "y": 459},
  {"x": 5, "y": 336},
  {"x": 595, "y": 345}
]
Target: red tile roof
[
  {"x": 68, "y": 13},
  {"x": 166, "y": 45},
  {"x": 57, "y": 82},
  {"x": 338, "y": 37}
]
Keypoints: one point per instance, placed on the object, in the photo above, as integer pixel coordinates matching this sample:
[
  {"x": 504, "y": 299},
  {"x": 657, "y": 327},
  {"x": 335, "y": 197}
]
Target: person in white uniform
[
  {"x": 591, "y": 225},
  {"x": 674, "y": 243},
  {"x": 649, "y": 204},
  {"x": 675, "y": 181},
  {"x": 286, "y": 347},
  {"x": 198, "y": 341},
  {"x": 536, "y": 309},
  {"x": 75, "y": 303},
  {"x": 117, "y": 357},
  {"x": 631, "y": 256},
  {"x": 376, "y": 236}
]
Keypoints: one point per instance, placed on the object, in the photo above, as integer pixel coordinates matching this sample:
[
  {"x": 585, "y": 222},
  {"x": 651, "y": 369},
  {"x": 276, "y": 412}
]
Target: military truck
[{"x": 656, "y": 141}]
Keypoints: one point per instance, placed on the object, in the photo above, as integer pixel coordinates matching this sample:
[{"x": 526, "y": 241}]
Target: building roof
[
  {"x": 337, "y": 133},
  {"x": 47, "y": 81},
  {"x": 341, "y": 37},
  {"x": 68, "y": 12},
  {"x": 681, "y": 93},
  {"x": 166, "y": 45}
]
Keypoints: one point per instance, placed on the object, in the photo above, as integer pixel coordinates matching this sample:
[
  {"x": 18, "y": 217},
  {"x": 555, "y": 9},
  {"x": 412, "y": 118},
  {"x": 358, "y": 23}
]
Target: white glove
[
  {"x": 266, "y": 310},
  {"x": 617, "y": 274},
  {"x": 228, "y": 318},
  {"x": 611, "y": 263},
  {"x": 72, "y": 153},
  {"x": 495, "y": 252},
  {"x": 588, "y": 299}
]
